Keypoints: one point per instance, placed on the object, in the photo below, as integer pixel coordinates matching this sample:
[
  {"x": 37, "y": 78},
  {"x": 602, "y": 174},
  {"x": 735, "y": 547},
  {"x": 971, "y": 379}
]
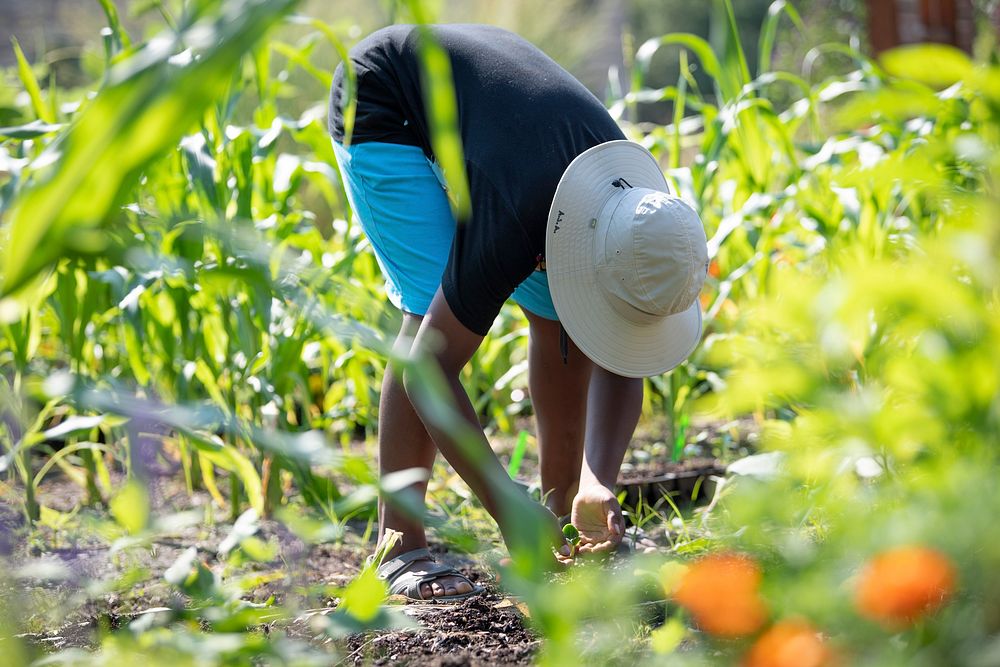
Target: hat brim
[{"x": 619, "y": 345}]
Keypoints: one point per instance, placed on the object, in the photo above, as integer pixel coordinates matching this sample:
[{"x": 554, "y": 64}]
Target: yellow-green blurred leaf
[
  {"x": 670, "y": 574},
  {"x": 937, "y": 65},
  {"x": 130, "y": 507},
  {"x": 363, "y": 596},
  {"x": 30, "y": 84},
  {"x": 442, "y": 106},
  {"x": 666, "y": 638},
  {"x": 258, "y": 550}
]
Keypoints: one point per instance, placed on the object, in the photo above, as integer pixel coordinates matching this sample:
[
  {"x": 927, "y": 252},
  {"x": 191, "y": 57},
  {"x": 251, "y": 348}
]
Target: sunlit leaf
[
  {"x": 442, "y": 115},
  {"x": 72, "y": 425},
  {"x": 937, "y": 65},
  {"x": 666, "y": 638},
  {"x": 259, "y": 550},
  {"x": 364, "y": 596},
  {"x": 30, "y": 84},
  {"x": 148, "y": 105},
  {"x": 130, "y": 507},
  {"x": 35, "y": 128}
]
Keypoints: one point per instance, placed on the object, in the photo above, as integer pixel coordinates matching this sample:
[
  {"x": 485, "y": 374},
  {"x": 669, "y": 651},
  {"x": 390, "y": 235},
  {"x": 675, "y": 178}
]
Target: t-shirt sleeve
[{"x": 490, "y": 256}]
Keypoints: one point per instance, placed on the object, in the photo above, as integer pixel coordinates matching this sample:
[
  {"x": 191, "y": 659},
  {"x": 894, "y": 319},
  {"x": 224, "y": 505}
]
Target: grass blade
[
  {"x": 442, "y": 114},
  {"x": 769, "y": 31},
  {"x": 119, "y": 36},
  {"x": 697, "y": 45},
  {"x": 30, "y": 84},
  {"x": 350, "y": 98},
  {"x": 736, "y": 72},
  {"x": 518, "y": 454}
]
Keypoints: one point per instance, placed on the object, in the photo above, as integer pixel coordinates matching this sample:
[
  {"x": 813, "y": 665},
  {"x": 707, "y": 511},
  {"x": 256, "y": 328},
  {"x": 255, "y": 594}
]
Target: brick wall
[{"x": 895, "y": 22}]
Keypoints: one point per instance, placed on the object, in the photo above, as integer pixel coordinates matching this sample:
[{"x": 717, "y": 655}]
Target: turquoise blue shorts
[{"x": 398, "y": 196}]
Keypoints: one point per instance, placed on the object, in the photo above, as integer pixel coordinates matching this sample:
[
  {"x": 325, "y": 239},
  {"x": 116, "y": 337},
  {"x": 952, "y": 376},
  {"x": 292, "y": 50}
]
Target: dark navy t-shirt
[{"x": 522, "y": 120}]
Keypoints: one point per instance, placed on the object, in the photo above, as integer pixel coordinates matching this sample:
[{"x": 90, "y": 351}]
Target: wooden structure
[{"x": 895, "y": 22}]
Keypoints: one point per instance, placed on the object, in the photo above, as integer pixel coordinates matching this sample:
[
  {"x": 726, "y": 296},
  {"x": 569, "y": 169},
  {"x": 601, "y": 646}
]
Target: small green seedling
[{"x": 572, "y": 536}]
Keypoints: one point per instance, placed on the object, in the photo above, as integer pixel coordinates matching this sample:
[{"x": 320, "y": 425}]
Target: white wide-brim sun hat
[{"x": 625, "y": 261}]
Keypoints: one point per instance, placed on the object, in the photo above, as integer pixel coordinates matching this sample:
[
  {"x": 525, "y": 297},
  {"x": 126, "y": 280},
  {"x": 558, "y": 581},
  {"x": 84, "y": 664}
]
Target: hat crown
[
  {"x": 651, "y": 254},
  {"x": 614, "y": 305}
]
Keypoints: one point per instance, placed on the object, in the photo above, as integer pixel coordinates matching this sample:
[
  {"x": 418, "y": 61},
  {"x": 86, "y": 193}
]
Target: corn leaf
[
  {"x": 442, "y": 114},
  {"x": 30, "y": 84},
  {"x": 769, "y": 32},
  {"x": 118, "y": 35},
  {"x": 150, "y": 102}
]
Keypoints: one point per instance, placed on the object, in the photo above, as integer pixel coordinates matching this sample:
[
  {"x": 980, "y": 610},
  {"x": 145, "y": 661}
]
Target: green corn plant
[{"x": 104, "y": 143}]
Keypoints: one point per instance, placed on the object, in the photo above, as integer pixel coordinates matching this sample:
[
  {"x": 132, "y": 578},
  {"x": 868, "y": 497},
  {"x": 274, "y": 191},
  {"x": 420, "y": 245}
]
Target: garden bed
[
  {"x": 683, "y": 482},
  {"x": 52, "y": 570},
  {"x": 485, "y": 630}
]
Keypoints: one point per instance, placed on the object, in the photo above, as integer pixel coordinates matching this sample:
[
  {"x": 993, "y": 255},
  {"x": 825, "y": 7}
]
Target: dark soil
[
  {"x": 485, "y": 630},
  {"x": 58, "y": 612},
  {"x": 48, "y": 572}
]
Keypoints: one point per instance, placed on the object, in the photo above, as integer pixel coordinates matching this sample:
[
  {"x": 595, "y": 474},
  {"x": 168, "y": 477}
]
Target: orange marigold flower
[
  {"x": 713, "y": 269},
  {"x": 789, "y": 644},
  {"x": 899, "y": 586},
  {"x": 720, "y": 593}
]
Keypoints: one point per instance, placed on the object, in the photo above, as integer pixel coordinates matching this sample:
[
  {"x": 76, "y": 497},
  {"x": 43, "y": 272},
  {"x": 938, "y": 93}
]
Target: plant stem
[
  {"x": 31, "y": 507},
  {"x": 90, "y": 471},
  {"x": 234, "y": 496}
]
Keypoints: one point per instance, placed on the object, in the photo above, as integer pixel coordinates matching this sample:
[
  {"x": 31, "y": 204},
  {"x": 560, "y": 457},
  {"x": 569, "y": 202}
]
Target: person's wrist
[{"x": 588, "y": 479}]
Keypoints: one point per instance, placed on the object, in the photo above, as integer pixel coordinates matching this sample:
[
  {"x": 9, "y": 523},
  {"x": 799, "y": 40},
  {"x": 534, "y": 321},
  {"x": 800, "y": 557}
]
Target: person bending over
[{"x": 568, "y": 218}]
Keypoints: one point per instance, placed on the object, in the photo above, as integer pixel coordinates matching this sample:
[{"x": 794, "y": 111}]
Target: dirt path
[
  {"x": 71, "y": 583},
  {"x": 55, "y": 573}
]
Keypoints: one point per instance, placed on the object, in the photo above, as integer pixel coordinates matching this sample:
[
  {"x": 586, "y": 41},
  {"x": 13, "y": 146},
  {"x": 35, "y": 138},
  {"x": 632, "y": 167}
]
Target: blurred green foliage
[{"x": 182, "y": 280}]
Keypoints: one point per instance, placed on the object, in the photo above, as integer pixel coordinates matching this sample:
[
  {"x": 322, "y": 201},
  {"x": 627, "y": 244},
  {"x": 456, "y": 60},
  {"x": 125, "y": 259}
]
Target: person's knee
[
  {"x": 411, "y": 384},
  {"x": 403, "y": 344}
]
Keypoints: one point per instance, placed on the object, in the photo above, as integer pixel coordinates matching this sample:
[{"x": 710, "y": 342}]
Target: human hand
[
  {"x": 532, "y": 532},
  {"x": 598, "y": 517}
]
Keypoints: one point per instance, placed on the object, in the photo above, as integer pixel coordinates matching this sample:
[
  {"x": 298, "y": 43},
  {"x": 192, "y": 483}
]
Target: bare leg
[
  {"x": 403, "y": 443},
  {"x": 529, "y": 530},
  {"x": 559, "y": 397}
]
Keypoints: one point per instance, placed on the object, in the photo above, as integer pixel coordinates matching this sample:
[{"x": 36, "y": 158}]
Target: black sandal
[{"x": 402, "y": 579}]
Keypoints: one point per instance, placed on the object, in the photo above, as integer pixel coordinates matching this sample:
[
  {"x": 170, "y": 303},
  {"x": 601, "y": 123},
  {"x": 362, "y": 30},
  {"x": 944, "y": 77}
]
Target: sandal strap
[
  {"x": 388, "y": 570},
  {"x": 408, "y": 582},
  {"x": 433, "y": 570}
]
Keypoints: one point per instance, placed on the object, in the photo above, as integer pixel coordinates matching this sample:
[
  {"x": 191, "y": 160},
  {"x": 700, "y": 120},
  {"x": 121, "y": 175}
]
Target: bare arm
[{"x": 613, "y": 407}]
